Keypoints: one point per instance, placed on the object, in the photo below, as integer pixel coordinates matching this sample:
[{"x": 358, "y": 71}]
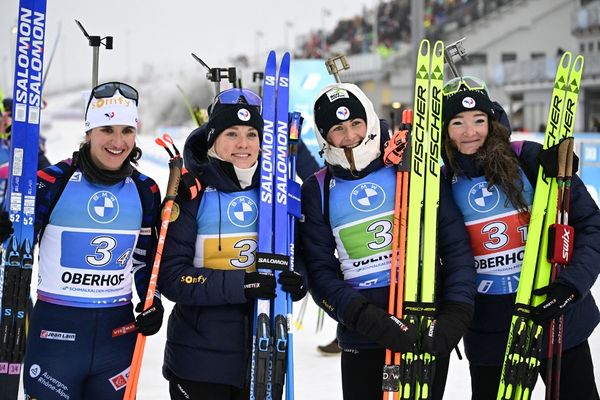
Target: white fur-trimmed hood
[{"x": 369, "y": 149}]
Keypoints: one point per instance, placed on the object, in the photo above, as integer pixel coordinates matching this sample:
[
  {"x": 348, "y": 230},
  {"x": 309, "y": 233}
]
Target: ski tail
[
  {"x": 518, "y": 339},
  {"x": 261, "y": 328},
  {"x": 565, "y": 162},
  {"x": 432, "y": 196},
  {"x": 18, "y": 256},
  {"x": 281, "y": 240},
  {"x": 409, "y": 366},
  {"x": 523, "y": 351},
  {"x": 175, "y": 168},
  {"x": 417, "y": 367}
]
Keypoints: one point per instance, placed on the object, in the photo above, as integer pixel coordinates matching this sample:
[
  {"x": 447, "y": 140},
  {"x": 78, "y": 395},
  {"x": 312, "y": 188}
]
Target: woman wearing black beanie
[
  {"x": 208, "y": 264},
  {"x": 347, "y": 245},
  {"x": 493, "y": 182}
]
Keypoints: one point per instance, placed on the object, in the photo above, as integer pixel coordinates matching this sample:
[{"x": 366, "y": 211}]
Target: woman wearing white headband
[{"x": 95, "y": 220}]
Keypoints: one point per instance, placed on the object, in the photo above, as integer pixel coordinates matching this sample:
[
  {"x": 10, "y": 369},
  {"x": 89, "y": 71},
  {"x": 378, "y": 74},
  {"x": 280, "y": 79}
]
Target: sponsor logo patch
[
  {"x": 335, "y": 94},
  {"x": 482, "y": 199},
  {"x": 103, "y": 207},
  {"x": 342, "y": 113},
  {"x": 242, "y": 211},
  {"x": 119, "y": 381},
  {"x": 243, "y": 114},
  {"x": 62, "y": 336},
  {"x": 468, "y": 102},
  {"x": 34, "y": 371},
  {"x": 367, "y": 197}
]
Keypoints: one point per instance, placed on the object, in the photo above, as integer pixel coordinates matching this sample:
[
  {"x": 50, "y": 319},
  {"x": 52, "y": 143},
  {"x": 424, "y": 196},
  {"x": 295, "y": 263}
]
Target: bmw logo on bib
[
  {"x": 367, "y": 197},
  {"x": 242, "y": 211},
  {"x": 103, "y": 207},
  {"x": 482, "y": 199}
]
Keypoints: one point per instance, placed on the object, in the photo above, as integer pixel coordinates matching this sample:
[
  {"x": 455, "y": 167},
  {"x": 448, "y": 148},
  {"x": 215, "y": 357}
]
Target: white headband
[{"x": 116, "y": 110}]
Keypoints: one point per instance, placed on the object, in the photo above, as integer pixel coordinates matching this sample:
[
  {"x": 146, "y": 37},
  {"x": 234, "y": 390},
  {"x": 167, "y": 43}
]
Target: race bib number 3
[
  {"x": 367, "y": 238},
  {"x": 235, "y": 253},
  {"x": 87, "y": 250}
]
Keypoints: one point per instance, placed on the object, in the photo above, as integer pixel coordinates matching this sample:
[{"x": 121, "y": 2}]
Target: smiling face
[
  {"x": 347, "y": 134},
  {"x": 468, "y": 130},
  {"x": 111, "y": 145},
  {"x": 239, "y": 145}
]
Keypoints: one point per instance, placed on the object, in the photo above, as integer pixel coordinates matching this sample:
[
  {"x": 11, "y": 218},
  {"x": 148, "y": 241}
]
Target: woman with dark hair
[
  {"x": 95, "y": 220},
  {"x": 347, "y": 246},
  {"x": 493, "y": 182}
]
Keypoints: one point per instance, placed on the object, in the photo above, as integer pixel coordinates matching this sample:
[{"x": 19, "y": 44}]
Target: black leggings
[
  {"x": 576, "y": 376},
  {"x": 362, "y": 371},
  {"x": 180, "y": 389}
]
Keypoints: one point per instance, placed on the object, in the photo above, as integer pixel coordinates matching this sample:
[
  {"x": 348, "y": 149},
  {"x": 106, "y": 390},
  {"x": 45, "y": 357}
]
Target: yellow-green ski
[
  {"x": 416, "y": 370},
  {"x": 523, "y": 350}
]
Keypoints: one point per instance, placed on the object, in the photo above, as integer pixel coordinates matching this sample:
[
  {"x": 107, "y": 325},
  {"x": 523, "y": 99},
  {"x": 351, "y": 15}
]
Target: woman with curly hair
[{"x": 493, "y": 182}]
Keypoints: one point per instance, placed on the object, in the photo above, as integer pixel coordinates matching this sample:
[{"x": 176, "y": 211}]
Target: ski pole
[
  {"x": 295, "y": 128},
  {"x": 555, "y": 332},
  {"x": 175, "y": 169},
  {"x": 397, "y": 152}
]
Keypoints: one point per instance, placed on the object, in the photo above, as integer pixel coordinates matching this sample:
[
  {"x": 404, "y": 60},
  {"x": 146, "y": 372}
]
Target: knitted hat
[
  {"x": 223, "y": 116},
  {"x": 465, "y": 98},
  {"x": 335, "y": 106}
]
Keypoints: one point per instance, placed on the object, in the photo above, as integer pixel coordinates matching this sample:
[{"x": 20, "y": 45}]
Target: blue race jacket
[
  {"x": 455, "y": 274},
  {"x": 485, "y": 340},
  {"x": 208, "y": 335}
]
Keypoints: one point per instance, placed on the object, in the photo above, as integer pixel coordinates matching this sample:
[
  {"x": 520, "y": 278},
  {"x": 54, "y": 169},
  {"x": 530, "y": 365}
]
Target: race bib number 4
[{"x": 87, "y": 250}]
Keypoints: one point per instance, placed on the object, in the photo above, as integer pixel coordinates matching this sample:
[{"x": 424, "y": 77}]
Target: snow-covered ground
[{"x": 316, "y": 377}]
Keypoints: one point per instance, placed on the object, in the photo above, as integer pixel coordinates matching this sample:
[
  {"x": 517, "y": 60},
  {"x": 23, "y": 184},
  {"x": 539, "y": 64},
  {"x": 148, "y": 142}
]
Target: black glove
[
  {"x": 558, "y": 298},
  {"x": 150, "y": 320},
  {"x": 292, "y": 282},
  {"x": 6, "y": 226},
  {"x": 383, "y": 328},
  {"x": 258, "y": 285},
  {"x": 448, "y": 328}
]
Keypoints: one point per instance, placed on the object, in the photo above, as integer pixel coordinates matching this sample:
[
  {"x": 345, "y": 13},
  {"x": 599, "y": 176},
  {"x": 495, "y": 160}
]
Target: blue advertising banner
[
  {"x": 307, "y": 78},
  {"x": 588, "y": 150}
]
